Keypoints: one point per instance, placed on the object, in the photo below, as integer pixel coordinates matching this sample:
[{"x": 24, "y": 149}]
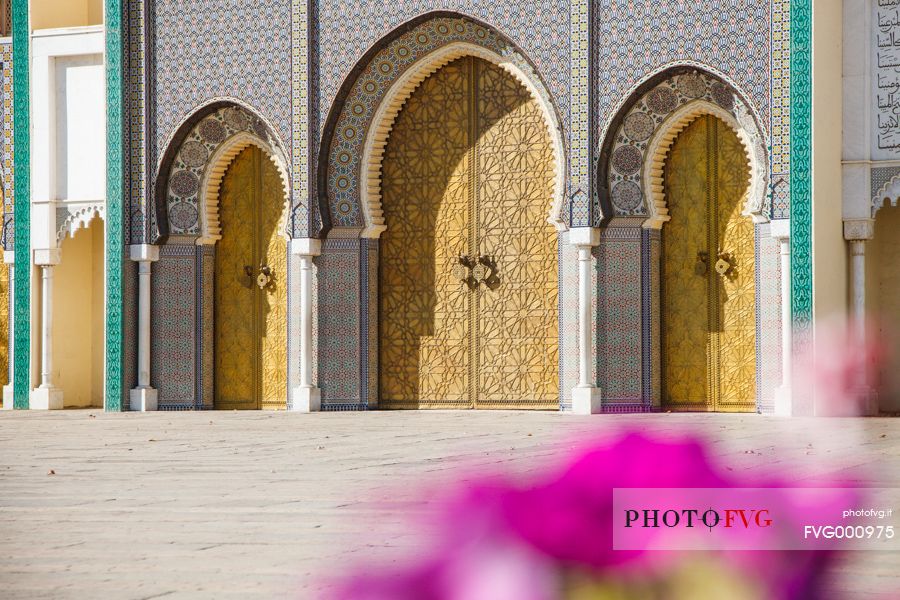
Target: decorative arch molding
[
  {"x": 196, "y": 158},
  {"x": 210, "y": 229},
  {"x": 756, "y": 205},
  {"x": 73, "y": 218},
  {"x": 634, "y": 153},
  {"x": 353, "y": 156},
  {"x": 889, "y": 194}
]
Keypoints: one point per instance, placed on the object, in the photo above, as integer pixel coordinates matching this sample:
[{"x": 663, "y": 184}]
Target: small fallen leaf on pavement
[
  {"x": 51, "y": 472},
  {"x": 320, "y": 447},
  {"x": 883, "y": 435}
]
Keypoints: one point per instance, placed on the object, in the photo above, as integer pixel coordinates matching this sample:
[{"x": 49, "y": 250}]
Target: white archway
[
  {"x": 397, "y": 95},
  {"x": 661, "y": 144},
  {"x": 211, "y": 184}
]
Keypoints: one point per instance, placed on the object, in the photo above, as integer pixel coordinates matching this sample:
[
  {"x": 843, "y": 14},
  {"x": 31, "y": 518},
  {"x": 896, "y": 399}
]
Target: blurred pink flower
[
  {"x": 842, "y": 367},
  {"x": 500, "y": 541}
]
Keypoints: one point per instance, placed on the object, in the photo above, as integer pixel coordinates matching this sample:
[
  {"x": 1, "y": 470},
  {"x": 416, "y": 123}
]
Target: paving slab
[{"x": 272, "y": 505}]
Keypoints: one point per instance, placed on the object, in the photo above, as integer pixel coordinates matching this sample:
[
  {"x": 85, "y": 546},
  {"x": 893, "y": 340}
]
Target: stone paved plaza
[{"x": 268, "y": 505}]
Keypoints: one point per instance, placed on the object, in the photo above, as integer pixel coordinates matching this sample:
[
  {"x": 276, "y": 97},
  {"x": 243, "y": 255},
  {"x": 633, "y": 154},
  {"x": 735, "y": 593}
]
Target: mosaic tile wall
[
  {"x": 664, "y": 33},
  {"x": 129, "y": 328},
  {"x": 768, "y": 294},
  {"x": 340, "y": 323},
  {"x": 248, "y": 46},
  {"x": 619, "y": 319},
  {"x": 568, "y": 317},
  {"x": 781, "y": 109},
  {"x": 346, "y": 29},
  {"x": 173, "y": 314},
  {"x": 6, "y": 114}
]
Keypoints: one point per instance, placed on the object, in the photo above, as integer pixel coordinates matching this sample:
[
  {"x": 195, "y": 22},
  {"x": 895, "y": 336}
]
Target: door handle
[{"x": 701, "y": 267}]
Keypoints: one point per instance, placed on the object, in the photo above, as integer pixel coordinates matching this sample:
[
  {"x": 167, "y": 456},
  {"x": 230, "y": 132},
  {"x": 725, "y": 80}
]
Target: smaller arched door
[
  {"x": 708, "y": 274},
  {"x": 251, "y": 287}
]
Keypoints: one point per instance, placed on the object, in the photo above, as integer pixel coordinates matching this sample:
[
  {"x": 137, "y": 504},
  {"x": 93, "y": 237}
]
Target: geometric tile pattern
[
  {"x": 188, "y": 170},
  {"x": 346, "y": 29},
  {"x": 22, "y": 166},
  {"x": 781, "y": 108},
  {"x": 6, "y": 152},
  {"x": 219, "y": 49},
  {"x": 801, "y": 172},
  {"x": 638, "y": 37},
  {"x": 581, "y": 109},
  {"x": 339, "y": 321},
  {"x": 371, "y": 86},
  {"x": 619, "y": 319},
  {"x": 173, "y": 315},
  {"x": 115, "y": 241},
  {"x": 633, "y": 137}
]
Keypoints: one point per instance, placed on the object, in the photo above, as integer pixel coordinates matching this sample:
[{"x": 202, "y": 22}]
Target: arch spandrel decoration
[
  {"x": 195, "y": 171},
  {"x": 377, "y": 95},
  {"x": 644, "y": 136}
]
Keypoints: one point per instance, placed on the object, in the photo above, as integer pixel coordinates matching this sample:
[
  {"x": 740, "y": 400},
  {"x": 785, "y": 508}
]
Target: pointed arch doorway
[
  {"x": 468, "y": 313},
  {"x": 708, "y": 273},
  {"x": 251, "y": 287}
]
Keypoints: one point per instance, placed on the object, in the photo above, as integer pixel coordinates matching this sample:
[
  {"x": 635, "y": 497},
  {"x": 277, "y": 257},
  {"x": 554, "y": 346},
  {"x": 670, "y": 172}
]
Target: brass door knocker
[
  {"x": 701, "y": 267},
  {"x": 725, "y": 264},
  {"x": 264, "y": 277},
  {"x": 488, "y": 272}
]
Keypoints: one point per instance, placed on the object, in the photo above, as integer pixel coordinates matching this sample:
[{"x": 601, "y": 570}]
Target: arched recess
[
  {"x": 349, "y": 174},
  {"x": 887, "y": 195},
  {"x": 78, "y": 218},
  {"x": 630, "y": 173},
  {"x": 186, "y": 192}
]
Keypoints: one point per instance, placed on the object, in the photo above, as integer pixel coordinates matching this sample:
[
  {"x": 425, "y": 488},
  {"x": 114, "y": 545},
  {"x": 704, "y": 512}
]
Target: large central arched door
[
  {"x": 251, "y": 287},
  {"x": 468, "y": 172},
  {"x": 708, "y": 296}
]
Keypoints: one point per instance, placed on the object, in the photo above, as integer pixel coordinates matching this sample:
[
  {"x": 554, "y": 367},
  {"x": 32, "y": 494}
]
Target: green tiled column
[
  {"x": 114, "y": 202},
  {"x": 22, "y": 210}
]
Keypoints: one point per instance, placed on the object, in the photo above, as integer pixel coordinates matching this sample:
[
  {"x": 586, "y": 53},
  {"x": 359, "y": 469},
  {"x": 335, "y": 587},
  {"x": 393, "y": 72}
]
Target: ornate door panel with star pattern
[
  {"x": 708, "y": 296},
  {"x": 467, "y": 171},
  {"x": 251, "y": 313}
]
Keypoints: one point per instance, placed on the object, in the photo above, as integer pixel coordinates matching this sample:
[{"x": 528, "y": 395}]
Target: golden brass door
[
  {"x": 708, "y": 296},
  {"x": 251, "y": 288},
  {"x": 468, "y": 172}
]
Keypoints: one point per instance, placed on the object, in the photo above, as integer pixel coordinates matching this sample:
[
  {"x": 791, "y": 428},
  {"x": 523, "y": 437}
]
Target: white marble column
[
  {"x": 781, "y": 230},
  {"x": 9, "y": 257},
  {"x": 47, "y": 396},
  {"x": 586, "y": 398},
  {"x": 144, "y": 397},
  {"x": 306, "y": 396},
  {"x": 857, "y": 232}
]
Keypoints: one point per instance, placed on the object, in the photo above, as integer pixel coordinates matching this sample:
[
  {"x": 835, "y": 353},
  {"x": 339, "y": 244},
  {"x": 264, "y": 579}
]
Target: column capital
[
  {"x": 859, "y": 229},
  {"x": 47, "y": 257},
  {"x": 584, "y": 236},
  {"x": 306, "y": 246},
  {"x": 143, "y": 252},
  {"x": 780, "y": 229}
]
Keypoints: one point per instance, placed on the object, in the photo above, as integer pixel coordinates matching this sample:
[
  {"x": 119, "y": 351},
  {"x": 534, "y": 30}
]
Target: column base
[
  {"x": 306, "y": 399},
  {"x": 142, "y": 399},
  {"x": 49, "y": 398},
  {"x": 586, "y": 401},
  {"x": 784, "y": 406},
  {"x": 8, "y": 397}
]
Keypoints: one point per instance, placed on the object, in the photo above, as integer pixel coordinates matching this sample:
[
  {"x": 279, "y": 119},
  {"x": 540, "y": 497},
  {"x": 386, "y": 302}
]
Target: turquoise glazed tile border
[
  {"x": 114, "y": 194},
  {"x": 22, "y": 210},
  {"x": 801, "y": 168}
]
